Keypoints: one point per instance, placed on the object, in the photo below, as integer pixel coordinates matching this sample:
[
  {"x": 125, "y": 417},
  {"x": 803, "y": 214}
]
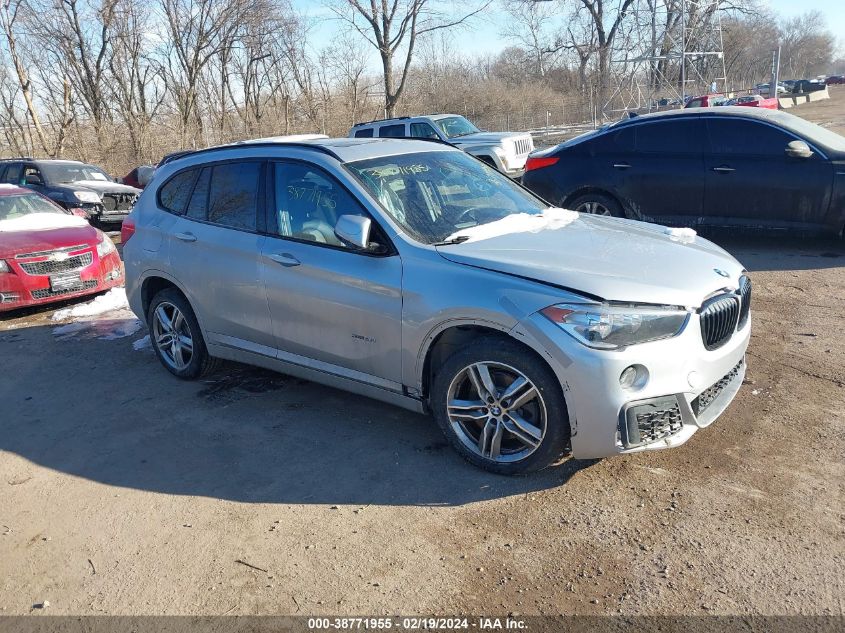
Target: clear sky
[{"x": 484, "y": 35}]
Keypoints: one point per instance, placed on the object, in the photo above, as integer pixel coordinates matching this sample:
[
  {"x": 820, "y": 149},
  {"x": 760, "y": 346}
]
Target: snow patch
[
  {"x": 552, "y": 218},
  {"x": 41, "y": 222},
  {"x": 107, "y": 318},
  {"x": 114, "y": 299},
  {"x": 142, "y": 343},
  {"x": 683, "y": 235}
]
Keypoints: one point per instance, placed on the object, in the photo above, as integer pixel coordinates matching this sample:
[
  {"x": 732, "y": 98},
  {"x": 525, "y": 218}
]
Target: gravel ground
[{"x": 126, "y": 491}]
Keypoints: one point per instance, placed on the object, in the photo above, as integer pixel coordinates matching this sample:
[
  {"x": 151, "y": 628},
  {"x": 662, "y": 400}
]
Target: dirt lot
[{"x": 126, "y": 491}]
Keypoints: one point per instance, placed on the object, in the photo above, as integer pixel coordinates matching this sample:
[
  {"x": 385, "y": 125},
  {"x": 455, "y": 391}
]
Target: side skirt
[{"x": 318, "y": 376}]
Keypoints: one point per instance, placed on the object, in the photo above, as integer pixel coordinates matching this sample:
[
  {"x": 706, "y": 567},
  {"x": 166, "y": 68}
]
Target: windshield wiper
[{"x": 455, "y": 240}]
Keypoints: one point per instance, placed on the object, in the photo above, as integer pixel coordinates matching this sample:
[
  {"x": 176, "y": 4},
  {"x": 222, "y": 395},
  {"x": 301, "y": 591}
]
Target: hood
[
  {"x": 610, "y": 258},
  {"x": 104, "y": 186},
  {"x": 490, "y": 138},
  {"x": 43, "y": 232}
]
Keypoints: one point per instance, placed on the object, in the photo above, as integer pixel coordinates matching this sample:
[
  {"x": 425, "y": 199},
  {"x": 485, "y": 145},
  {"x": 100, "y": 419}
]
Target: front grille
[
  {"x": 522, "y": 146},
  {"x": 118, "y": 201},
  {"x": 706, "y": 397},
  {"x": 745, "y": 301},
  {"x": 50, "y": 266},
  {"x": 46, "y": 292},
  {"x": 719, "y": 318},
  {"x": 65, "y": 249},
  {"x": 652, "y": 421}
]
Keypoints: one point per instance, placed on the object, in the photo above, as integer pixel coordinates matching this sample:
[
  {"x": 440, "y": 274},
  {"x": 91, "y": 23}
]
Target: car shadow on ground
[
  {"x": 779, "y": 252},
  {"x": 105, "y": 412}
]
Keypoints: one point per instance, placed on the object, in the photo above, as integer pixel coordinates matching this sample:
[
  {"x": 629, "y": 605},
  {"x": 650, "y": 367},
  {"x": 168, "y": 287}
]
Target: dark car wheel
[
  {"x": 597, "y": 204},
  {"x": 176, "y": 337},
  {"x": 501, "y": 407}
]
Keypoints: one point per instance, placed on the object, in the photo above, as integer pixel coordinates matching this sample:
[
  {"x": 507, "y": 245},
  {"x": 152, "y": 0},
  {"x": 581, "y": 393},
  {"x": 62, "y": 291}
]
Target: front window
[
  {"x": 455, "y": 126},
  {"x": 434, "y": 196},
  {"x": 17, "y": 206},
  {"x": 73, "y": 172}
]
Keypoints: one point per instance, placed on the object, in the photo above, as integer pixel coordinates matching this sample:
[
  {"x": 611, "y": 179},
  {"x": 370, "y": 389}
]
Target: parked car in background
[
  {"x": 766, "y": 89},
  {"x": 47, "y": 253},
  {"x": 506, "y": 151},
  {"x": 755, "y": 101},
  {"x": 85, "y": 190},
  {"x": 139, "y": 177},
  {"x": 804, "y": 86},
  {"x": 835, "y": 80},
  {"x": 705, "y": 101},
  {"x": 411, "y": 272},
  {"x": 727, "y": 167}
]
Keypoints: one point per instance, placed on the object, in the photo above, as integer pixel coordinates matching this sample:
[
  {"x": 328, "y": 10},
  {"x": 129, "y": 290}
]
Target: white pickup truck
[{"x": 506, "y": 151}]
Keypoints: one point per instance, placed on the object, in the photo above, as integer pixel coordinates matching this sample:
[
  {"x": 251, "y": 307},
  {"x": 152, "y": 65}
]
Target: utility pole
[
  {"x": 773, "y": 87},
  {"x": 683, "y": 53}
]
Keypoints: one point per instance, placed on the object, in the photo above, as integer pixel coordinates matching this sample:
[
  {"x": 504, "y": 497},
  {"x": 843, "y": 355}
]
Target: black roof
[{"x": 738, "y": 111}]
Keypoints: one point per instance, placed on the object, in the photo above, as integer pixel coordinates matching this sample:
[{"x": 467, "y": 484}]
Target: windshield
[
  {"x": 455, "y": 126},
  {"x": 19, "y": 205},
  {"x": 72, "y": 172},
  {"x": 814, "y": 133},
  {"x": 433, "y": 195}
]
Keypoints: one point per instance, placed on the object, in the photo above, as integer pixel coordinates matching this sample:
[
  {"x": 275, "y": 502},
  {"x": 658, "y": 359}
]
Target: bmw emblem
[{"x": 721, "y": 273}]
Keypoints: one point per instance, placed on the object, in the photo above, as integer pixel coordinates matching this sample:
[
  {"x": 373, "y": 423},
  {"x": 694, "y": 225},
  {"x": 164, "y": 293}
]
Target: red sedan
[{"x": 48, "y": 254}]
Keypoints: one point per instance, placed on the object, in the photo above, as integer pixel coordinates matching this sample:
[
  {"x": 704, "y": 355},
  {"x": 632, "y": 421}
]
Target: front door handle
[
  {"x": 621, "y": 165},
  {"x": 724, "y": 170},
  {"x": 186, "y": 237},
  {"x": 285, "y": 259}
]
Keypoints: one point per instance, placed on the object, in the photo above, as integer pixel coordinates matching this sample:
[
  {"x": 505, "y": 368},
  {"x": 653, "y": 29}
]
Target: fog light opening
[{"x": 633, "y": 378}]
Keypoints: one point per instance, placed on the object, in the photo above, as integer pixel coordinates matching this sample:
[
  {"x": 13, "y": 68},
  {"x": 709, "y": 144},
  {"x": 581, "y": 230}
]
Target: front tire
[
  {"x": 176, "y": 336},
  {"x": 501, "y": 407}
]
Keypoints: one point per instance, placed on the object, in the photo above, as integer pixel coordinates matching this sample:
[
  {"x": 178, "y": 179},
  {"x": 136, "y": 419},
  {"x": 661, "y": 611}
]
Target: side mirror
[
  {"x": 798, "y": 149},
  {"x": 354, "y": 230},
  {"x": 33, "y": 179}
]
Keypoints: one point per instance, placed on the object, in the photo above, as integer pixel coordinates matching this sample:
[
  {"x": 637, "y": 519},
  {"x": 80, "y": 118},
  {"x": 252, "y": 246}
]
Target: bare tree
[
  {"x": 196, "y": 31},
  {"x": 393, "y": 27},
  {"x": 10, "y": 13}
]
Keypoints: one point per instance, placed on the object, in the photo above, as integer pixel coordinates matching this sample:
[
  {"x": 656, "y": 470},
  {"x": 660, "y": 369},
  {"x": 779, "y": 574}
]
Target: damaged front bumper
[{"x": 687, "y": 387}]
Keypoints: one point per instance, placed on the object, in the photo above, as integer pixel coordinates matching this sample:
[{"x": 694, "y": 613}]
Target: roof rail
[
  {"x": 393, "y": 118},
  {"x": 218, "y": 148},
  {"x": 18, "y": 158}
]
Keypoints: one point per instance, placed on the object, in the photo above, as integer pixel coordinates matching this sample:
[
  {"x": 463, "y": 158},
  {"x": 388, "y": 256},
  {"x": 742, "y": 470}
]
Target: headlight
[
  {"x": 4, "y": 267},
  {"x": 105, "y": 246},
  {"x": 87, "y": 196},
  {"x": 604, "y": 326}
]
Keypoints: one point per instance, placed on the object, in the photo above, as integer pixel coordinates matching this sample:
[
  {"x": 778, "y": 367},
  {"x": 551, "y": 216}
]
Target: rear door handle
[
  {"x": 285, "y": 259},
  {"x": 724, "y": 170},
  {"x": 186, "y": 237},
  {"x": 621, "y": 165}
]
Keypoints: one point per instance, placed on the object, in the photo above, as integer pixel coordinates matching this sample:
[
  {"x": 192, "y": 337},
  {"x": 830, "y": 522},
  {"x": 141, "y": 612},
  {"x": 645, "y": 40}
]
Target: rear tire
[
  {"x": 522, "y": 427},
  {"x": 176, "y": 336},
  {"x": 597, "y": 204}
]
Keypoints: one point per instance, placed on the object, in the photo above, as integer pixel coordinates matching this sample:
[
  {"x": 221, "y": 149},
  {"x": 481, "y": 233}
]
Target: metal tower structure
[{"x": 675, "y": 49}]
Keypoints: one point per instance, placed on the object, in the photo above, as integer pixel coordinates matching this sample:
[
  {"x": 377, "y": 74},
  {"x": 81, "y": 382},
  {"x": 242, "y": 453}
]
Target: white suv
[{"x": 506, "y": 151}]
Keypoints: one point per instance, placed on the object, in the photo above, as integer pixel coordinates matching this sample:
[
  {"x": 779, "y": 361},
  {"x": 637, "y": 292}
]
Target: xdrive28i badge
[{"x": 721, "y": 272}]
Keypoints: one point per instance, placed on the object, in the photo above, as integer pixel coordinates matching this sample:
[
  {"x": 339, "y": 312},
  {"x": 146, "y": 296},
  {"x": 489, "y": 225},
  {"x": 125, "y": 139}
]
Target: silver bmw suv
[{"x": 411, "y": 272}]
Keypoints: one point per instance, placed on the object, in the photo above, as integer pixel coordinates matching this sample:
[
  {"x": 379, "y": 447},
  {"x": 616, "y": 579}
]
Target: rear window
[
  {"x": 670, "y": 137},
  {"x": 173, "y": 195},
  {"x": 392, "y": 131},
  {"x": 365, "y": 133},
  {"x": 233, "y": 195}
]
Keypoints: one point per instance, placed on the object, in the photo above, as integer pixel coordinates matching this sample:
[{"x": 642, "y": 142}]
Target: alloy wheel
[
  {"x": 172, "y": 336},
  {"x": 496, "y": 411},
  {"x": 595, "y": 208}
]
